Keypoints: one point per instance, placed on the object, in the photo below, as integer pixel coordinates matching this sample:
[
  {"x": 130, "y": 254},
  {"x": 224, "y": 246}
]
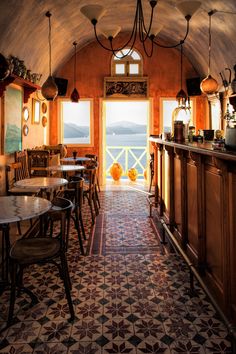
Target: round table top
[
  {"x": 41, "y": 182},
  {"x": 17, "y": 208},
  {"x": 65, "y": 168},
  {"x": 77, "y": 159}
]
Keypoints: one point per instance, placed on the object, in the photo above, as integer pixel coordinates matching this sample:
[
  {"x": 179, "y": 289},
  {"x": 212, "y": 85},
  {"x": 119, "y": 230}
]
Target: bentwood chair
[
  {"x": 151, "y": 166},
  {"x": 94, "y": 158},
  {"x": 54, "y": 215},
  {"x": 40, "y": 250},
  {"x": 16, "y": 171},
  {"x": 74, "y": 192},
  {"x": 90, "y": 192},
  {"x": 38, "y": 161}
]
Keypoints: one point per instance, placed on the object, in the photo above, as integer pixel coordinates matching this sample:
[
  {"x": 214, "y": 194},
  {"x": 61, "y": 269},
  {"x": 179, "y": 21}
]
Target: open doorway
[{"x": 125, "y": 131}]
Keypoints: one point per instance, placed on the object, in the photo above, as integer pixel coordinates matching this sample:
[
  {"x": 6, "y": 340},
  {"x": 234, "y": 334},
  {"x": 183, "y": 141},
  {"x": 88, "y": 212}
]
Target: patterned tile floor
[{"x": 130, "y": 295}]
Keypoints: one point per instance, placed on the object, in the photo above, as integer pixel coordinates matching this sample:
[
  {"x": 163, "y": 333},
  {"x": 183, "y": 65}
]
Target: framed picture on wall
[
  {"x": 35, "y": 111},
  {"x": 12, "y": 128}
]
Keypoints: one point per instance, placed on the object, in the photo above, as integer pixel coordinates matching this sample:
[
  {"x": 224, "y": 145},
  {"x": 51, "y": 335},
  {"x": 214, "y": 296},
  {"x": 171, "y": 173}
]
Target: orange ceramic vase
[
  {"x": 132, "y": 174},
  {"x": 116, "y": 171}
]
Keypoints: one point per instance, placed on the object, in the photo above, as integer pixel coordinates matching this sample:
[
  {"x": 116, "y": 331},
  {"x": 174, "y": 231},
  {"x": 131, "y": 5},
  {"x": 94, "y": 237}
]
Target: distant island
[{"x": 120, "y": 128}]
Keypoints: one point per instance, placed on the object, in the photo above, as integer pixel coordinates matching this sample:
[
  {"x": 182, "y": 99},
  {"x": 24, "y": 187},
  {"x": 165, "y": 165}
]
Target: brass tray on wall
[{"x": 126, "y": 87}]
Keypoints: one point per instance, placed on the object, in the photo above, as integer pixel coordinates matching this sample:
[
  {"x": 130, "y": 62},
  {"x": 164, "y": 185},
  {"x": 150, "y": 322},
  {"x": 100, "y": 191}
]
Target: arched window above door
[{"x": 131, "y": 65}]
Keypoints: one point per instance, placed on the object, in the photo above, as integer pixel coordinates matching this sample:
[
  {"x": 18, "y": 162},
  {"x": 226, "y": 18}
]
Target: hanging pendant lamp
[
  {"x": 75, "y": 94},
  {"x": 49, "y": 88},
  {"x": 181, "y": 96},
  {"x": 209, "y": 85}
]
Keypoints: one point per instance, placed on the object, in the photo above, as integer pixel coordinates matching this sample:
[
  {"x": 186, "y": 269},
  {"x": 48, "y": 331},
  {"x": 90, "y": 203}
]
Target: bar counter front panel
[{"x": 197, "y": 189}]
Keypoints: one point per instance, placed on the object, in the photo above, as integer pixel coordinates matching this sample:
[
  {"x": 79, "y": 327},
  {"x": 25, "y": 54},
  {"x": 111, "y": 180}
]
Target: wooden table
[
  {"x": 64, "y": 169},
  {"x": 44, "y": 183},
  {"x": 14, "y": 209}
]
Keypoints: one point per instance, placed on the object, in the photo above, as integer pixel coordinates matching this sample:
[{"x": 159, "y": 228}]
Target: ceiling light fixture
[
  {"x": 49, "y": 88},
  {"x": 183, "y": 111},
  {"x": 209, "y": 85},
  {"x": 75, "y": 94},
  {"x": 145, "y": 34},
  {"x": 181, "y": 96}
]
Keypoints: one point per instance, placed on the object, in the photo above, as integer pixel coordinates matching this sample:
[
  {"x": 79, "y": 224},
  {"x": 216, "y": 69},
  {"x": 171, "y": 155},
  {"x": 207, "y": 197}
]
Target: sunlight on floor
[{"x": 125, "y": 184}]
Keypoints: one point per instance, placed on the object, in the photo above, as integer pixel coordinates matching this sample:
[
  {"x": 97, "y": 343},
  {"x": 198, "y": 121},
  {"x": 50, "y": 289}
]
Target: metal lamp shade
[
  {"x": 209, "y": 85},
  {"x": 49, "y": 89},
  {"x": 75, "y": 96}
]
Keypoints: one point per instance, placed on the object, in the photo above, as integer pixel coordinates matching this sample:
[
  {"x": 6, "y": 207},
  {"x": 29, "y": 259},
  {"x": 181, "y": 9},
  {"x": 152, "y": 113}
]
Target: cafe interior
[{"x": 101, "y": 257}]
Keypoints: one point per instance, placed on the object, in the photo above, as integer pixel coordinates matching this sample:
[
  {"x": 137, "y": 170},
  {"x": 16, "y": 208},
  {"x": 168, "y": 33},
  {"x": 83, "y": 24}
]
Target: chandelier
[{"x": 146, "y": 34}]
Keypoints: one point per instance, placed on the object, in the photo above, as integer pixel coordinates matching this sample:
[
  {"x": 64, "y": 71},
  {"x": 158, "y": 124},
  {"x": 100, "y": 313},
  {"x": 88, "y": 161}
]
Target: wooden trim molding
[{"x": 126, "y": 87}]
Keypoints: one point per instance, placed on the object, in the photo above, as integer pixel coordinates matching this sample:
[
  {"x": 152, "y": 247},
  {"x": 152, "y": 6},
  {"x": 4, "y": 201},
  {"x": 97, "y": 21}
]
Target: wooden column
[
  {"x": 222, "y": 167},
  {"x": 160, "y": 164},
  {"x": 201, "y": 234},
  {"x": 170, "y": 151},
  {"x": 182, "y": 155}
]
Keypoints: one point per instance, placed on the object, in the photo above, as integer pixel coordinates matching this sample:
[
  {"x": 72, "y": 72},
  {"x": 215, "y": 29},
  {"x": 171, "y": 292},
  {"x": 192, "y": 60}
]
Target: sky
[{"x": 131, "y": 111}]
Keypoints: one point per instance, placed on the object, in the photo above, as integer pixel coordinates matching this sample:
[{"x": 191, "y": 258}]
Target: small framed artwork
[
  {"x": 35, "y": 111},
  {"x": 25, "y": 129},
  {"x": 44, "y": 108},
  {"x": 25, "y": 113},
  {"x": 44, "y": 121}
]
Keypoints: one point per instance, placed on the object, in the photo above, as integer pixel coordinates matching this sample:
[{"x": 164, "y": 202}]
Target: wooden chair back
[
  {"x": 17, "y": 170},
  {"x": 38, "y": 161}
]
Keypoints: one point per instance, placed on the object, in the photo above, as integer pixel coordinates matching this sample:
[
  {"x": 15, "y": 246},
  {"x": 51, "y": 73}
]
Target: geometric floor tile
[{"x": 129, "y": 293}]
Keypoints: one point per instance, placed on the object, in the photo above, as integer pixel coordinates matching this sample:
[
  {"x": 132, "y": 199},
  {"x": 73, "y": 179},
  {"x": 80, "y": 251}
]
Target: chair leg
[
  {"x": 98, "y": 184},
  {"x": 18, "y": 228},
  {"x": 76, "y": 222},
  {"x": 95, "y": 204},
  {"x": 67, "y": 282},
  {"x": 91, "y": 208},
  {"x": 97, "y": 197},
  {"x": 82, "y": 224},
  {"x": 13, "y": 269}
]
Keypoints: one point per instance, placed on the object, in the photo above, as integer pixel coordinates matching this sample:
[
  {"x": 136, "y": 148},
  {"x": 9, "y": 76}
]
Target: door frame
[{"x": 102, "y": 130}]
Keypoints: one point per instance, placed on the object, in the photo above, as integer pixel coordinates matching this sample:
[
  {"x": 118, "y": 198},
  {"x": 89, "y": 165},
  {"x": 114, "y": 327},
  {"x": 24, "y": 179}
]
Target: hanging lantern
[
  {"x": 75, "y": 94},
  {"x": 209, "y": 85},
  {"x": 49, "y": 88}
]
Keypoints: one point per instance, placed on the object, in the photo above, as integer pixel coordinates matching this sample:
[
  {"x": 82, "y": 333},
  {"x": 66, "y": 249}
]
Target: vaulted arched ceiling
[{"x": 24, "y": 30}]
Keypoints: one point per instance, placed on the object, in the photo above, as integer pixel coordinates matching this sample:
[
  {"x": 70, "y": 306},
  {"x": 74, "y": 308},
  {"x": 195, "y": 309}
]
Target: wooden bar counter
[{"x": 197, "y": 194}]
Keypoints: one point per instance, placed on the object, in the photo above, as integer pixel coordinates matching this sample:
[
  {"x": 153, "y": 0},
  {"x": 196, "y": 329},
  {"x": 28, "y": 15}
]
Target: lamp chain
[
  {"x": 181, "y": 66},
  {"x": 48, "y": 14},
  {"x": 209, "y": 58},
  {"x": 75, "y": 44}
]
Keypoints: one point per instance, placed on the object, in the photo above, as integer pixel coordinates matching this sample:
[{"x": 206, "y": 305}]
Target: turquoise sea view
[{"x": 139, "y": 140}]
